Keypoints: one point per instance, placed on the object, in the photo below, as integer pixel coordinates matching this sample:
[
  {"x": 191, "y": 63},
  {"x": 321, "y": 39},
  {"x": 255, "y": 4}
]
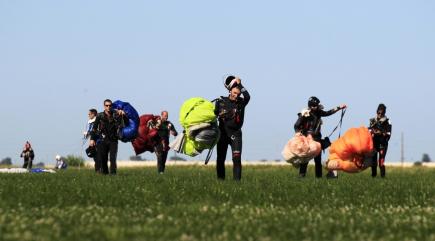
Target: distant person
[
  {"x": 105, "y": 128},
  {"x": 164, "y": 129},
  {"x": 380, "y": 127},
  {"x": 60, "y": 163},
  {"x": 310, "y": 122},
  {"x": 28, "y": 155},
  {"x": 231, "y": 114},
  {"x": 92, "y": 150}
]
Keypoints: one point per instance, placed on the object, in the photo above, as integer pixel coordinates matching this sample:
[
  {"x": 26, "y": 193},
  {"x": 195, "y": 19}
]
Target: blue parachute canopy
[{"x": 130, "y": 130}]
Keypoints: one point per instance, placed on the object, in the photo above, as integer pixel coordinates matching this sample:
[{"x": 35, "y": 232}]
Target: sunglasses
[{"x": 108, "y": 105}]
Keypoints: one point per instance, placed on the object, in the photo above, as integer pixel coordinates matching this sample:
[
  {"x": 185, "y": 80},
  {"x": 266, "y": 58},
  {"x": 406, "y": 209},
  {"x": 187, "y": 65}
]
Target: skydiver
[
  {"x": 165, "y": 128},
  {"x": 106, "y": 128},
  {"x": 309, "y": 122},
  {"x": 231, "y": 113},
  {"x": 380, "y": 127},
  {"x": 92, "y": 150},
  {"x": 28, "y": 154}
]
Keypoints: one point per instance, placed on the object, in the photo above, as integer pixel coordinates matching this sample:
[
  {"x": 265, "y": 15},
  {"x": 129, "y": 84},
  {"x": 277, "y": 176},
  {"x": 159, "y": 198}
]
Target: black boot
[
  {"x": 382, "y": 171},
  {"x": 374, "y": 170},
  {"x": 237, "y": 172}
]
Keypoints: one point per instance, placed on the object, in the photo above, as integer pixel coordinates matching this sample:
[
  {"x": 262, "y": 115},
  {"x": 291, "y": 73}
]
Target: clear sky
[{"x": 60, "y": 58}]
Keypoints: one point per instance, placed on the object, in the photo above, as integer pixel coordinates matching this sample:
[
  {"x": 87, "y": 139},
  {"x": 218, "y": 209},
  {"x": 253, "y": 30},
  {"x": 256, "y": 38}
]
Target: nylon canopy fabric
[
  {"x": 130, "y": 130},
  {"x": 301, "y": 149},
  {"x": 199, "y": 122},
  {"x": 352, "y": 152},
  {"x": 147, "y": 138}
]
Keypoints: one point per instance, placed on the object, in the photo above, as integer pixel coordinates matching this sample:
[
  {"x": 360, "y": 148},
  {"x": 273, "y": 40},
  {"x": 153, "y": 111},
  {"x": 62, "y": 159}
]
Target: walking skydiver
[
  {"x": 231, "y": 113},
  {"x": 106, "y": 128},
  {"x": 164, "y": 129}
]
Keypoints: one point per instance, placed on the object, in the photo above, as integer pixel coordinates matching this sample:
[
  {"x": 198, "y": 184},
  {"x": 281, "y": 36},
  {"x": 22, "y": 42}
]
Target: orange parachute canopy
[
  {"x": 301, "y": 149},
  {"x": 352, "y": 152}
]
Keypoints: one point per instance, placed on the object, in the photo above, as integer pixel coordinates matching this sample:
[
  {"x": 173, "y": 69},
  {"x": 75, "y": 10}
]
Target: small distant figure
[
  {"x": 60, "y": 163},
  {"x": 28, "y": 154},
  {"x": 164, "y": 128},
  {"x": 380, "y": 127}
]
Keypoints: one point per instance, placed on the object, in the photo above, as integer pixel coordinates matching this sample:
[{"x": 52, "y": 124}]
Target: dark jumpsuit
[
  {"x": 382, "y": 127},
  {"x": 162, "y": 147},
  {"x": 231, "y": 116},
  {"x": 105, "y": 130},
  {"x": 312, "y": 125}
]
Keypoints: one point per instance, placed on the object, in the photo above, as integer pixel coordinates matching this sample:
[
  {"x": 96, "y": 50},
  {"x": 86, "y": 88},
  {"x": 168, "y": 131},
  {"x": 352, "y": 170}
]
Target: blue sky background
[{"x": 60, "y": 58}]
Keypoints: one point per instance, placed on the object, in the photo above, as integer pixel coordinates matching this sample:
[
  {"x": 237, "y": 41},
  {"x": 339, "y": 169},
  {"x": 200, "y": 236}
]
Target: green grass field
[{"x": 188, "y": 203}]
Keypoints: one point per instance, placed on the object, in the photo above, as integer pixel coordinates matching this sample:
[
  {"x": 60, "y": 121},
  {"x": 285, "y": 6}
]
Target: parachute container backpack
[
  {"x": 352, "y": 152},
  {"x": 147, "y": 138},
  {"x": 201, "y": 131},
  {"x": 130, "y": 127}
]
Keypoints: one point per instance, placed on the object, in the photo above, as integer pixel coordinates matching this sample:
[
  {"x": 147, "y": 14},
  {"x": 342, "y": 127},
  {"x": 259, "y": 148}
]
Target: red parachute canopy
[
  {"x": 147, "y": 138},
  {"x": 301, "y": 149},
  {"x": 351, "y": 151}
]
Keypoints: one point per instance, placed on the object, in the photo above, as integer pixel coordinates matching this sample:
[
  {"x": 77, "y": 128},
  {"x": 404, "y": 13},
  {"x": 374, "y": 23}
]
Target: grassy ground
[{"x": 188, "y": 203}]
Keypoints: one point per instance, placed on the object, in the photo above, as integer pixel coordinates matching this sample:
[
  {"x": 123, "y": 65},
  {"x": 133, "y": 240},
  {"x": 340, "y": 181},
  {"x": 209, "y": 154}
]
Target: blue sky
[{"x": 60, "y": 58}]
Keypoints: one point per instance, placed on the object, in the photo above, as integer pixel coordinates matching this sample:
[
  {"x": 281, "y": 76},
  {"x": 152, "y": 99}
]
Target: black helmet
[
  {"x": 229, "y": 84},
  {"x": 91, "y": 151},
  {"x": 313, "y": 101},
  {"x": 382, "y": 107}
]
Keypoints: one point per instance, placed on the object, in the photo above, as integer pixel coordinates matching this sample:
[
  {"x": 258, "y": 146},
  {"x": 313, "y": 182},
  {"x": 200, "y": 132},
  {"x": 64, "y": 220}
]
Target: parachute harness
[{"x": 340, "y": 123}]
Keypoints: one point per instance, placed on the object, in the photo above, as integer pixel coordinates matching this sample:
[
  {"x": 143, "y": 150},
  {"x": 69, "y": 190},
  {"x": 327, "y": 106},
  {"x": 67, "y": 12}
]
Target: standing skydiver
[
  {"x": 28, "y": 155},
  {"x": 91, "y": 151},
  {"x": 164, "y": 129},
  {"x": 380, "y": 127},
  {"x": 231, "y": 113},
  {"x": 310, "y": 122}
]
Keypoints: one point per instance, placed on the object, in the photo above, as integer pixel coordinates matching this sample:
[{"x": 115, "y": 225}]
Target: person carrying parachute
[
  {"x": 164, "y": 129},
  {"x": 231, "y": 113},
  {"x": 352, "y": 152},
  {"x": 309, "y": 122},
  {"x": 201, "y": 132},
  {"x": 119, "y": 121}
]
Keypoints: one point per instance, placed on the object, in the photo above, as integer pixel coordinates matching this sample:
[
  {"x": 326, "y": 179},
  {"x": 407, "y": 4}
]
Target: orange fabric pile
[{"x": 352, "y": 152}]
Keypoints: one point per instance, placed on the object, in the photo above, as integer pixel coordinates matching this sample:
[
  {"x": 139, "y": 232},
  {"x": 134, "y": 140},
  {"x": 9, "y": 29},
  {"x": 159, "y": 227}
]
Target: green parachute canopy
[{"x": 199, "y": 121}]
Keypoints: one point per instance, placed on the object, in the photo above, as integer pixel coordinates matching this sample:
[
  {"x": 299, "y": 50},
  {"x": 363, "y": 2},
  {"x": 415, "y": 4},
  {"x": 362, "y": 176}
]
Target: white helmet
[{"x": 57, "y": 157}]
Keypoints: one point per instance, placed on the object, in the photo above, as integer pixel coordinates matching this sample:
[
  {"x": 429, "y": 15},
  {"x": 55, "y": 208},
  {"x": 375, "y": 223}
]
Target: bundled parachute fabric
[
  {"x": 24, "y": 170},
  {"x": 352, "y": 152},
  {"x": 147, "y": 138},
  {"x": 130, "y": 129},
  {"x": 199, "y": 122},
  {"x": 301, "y": 149}
]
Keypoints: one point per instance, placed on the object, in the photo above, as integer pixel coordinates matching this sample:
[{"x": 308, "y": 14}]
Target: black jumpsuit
[
  {"x": 381, "y": 133},
  {"x": 162, "y": 147},
  {"x": 231, "y": 117},
  {"x": 312, "y": 125},
  {"x": 105, "y": 129}
]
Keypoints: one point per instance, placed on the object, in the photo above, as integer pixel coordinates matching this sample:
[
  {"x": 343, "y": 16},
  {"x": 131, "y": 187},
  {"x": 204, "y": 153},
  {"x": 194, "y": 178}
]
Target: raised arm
[{"x": 246, "y": 95}]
